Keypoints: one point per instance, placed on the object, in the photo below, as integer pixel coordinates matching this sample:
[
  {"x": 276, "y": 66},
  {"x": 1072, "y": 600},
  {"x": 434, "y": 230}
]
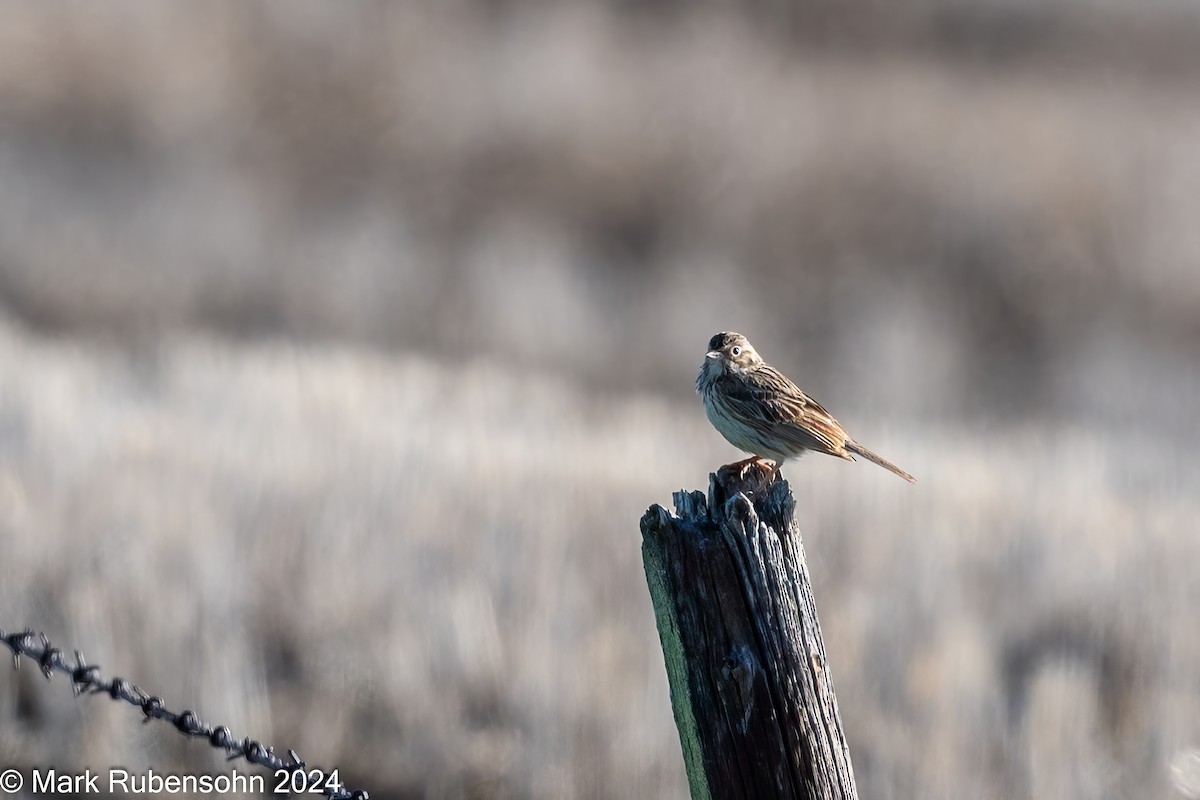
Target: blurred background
[{"x": 342, "y": 347}]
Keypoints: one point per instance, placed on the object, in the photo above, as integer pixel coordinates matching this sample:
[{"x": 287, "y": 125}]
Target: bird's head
[{"x": 729, "y": 352}]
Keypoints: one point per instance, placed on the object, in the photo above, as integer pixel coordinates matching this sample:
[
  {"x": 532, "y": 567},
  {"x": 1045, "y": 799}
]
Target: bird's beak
[{"x": 714, "y": 354}]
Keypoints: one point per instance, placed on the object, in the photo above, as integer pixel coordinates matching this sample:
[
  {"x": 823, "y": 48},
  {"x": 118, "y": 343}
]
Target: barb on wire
[{"x": 86, "y": 678}]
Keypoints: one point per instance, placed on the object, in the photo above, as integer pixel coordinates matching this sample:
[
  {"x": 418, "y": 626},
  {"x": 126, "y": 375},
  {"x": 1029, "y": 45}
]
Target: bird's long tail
[{"x": 855, "y": 447}]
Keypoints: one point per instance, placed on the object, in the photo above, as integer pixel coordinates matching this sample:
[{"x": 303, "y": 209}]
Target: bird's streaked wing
[{"x": 768, "y": 401}]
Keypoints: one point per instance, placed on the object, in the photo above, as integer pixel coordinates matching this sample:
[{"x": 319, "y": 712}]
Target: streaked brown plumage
[{"x": 758, "y": 410}]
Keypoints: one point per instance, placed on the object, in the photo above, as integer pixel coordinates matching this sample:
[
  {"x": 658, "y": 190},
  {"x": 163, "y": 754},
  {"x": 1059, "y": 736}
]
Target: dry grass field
[
  {"x": 342, "y": 349},
  {"x": 432, "y": 577}
]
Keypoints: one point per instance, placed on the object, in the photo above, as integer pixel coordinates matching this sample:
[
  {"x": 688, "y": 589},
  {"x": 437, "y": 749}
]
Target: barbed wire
[{"x": 87, "y": 679}]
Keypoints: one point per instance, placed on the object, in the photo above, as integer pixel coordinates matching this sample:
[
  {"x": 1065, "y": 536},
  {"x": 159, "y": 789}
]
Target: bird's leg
[
  {"x": 756, "y": 461},
  {"x": 740, "y": 466},
  {"x": 771, "y": 468},
  {"x": 775, "y": 465},
  {"x": 749, "y": 475}
]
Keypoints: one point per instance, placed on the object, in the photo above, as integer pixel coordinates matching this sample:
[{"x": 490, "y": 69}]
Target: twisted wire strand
[{"x": 87, "y": 679}]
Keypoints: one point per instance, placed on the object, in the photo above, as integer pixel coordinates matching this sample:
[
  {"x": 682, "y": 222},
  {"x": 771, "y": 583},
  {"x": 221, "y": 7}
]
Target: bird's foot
[{"x": 742, "y": 468}]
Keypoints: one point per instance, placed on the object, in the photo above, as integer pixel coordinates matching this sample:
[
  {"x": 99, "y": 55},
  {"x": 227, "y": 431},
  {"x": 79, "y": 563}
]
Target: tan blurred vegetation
[{"x": 342, "y": 347}]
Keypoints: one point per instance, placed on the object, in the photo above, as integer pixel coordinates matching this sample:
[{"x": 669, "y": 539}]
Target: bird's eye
[{"x": 735, "y": 352}]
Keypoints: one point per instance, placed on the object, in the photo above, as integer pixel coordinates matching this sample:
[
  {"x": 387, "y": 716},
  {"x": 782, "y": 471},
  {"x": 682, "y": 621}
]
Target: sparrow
[{"x": 760, "y": 411}]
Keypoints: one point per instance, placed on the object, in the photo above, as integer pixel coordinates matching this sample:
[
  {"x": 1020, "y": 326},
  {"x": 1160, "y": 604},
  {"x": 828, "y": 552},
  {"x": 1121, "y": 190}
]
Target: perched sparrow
[{"x": 760, "y": 411}]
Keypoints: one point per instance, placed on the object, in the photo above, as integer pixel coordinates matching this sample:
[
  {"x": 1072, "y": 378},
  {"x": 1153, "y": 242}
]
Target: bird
[{"x": 760, "y": 411}]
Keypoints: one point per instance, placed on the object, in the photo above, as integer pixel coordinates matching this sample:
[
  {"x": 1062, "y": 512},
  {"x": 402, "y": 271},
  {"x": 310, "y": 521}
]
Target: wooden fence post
[{"x": 750, "y": 685}]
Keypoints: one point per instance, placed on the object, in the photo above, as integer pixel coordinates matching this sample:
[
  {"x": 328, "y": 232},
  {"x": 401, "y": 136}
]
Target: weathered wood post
[{"x": 750, "y": 685}]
